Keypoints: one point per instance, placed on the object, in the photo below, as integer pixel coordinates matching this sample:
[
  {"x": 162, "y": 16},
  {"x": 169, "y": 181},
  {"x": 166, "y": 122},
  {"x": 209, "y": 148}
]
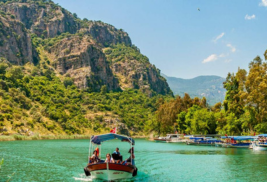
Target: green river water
[{"x": 64, "y": 160}]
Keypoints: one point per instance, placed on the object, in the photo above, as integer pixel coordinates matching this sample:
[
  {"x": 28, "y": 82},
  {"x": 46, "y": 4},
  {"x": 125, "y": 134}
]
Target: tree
[
  {"x": 68, "y": 82},
  {"x": 75, "y": 15},
  {"x": 181, "y": 125},
  {"x": 3, "y": 67},
  {"x": 103, "y": 89},
  {"x": 256, "y": 86},
  {"x": 14, "y": 73}
]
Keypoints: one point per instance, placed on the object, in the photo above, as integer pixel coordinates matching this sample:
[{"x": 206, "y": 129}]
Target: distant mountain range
[{"x": 210, "y": 87}]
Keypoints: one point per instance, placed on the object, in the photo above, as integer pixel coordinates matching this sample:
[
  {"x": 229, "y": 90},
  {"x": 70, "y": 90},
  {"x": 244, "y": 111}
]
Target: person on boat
[
  {"x": 94, "y": 158},
  {"x": 97, "y": 151},
  {"x": 131, "y": 158},
  {"x": 109, "y": 159},
  {"x": 117, "y": 151},
  {"x": 117, "y": 156}
]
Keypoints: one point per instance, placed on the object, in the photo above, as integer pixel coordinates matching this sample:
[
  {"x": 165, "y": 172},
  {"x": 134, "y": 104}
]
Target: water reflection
[{"x": 199, "y": 152}]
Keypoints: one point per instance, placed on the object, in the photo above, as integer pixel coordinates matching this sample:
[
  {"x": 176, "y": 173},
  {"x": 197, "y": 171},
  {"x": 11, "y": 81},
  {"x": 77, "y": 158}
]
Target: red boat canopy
[{"x": 98, "y": 139}]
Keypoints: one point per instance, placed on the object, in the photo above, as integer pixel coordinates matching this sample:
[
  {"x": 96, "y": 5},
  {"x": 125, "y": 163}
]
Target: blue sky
[{"x": 182, "y": 41}]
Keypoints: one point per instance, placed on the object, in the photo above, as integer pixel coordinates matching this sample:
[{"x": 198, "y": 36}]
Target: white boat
[
  {"x": 175, "y": 138},
  {"x": 110, "y": 171},
  {"x": 260, "y": 142},
  {"x": 160, "y": 139}
]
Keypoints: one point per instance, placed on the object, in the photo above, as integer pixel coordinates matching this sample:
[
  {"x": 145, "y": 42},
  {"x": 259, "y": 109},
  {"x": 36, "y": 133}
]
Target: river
[{"x": 64, "y": 160}]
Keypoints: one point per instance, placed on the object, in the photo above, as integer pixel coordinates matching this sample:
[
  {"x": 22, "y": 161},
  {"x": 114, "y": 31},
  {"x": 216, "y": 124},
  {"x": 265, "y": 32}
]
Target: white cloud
[
  {"x": 233, "y": 49},
  {"x": 219, "y": 36},
  {"x": 263, "y": 3},
  {"x": 222, "y": 55},
  {"x": 212, "y": 57},
  {"x": 247, "y": 17}
]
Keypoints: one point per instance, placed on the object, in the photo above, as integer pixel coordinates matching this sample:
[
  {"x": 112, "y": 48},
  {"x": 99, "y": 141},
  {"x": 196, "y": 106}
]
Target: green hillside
[{"x": 60, "y": 75}]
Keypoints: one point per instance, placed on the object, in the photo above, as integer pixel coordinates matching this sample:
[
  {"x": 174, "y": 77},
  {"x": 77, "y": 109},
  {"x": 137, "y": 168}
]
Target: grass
[
  {"x": 44, "y": 137},
  {"x": 51, "y": 137}
]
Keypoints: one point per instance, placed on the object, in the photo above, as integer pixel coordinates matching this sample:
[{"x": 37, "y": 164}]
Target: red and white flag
[{"x": 113, "y": 130}]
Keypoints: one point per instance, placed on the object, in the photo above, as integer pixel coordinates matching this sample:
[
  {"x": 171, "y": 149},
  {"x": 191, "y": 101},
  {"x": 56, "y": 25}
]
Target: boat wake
[{"x": 82, "y": 178}]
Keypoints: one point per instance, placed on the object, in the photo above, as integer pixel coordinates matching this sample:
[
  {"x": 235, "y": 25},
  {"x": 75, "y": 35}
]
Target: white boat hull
[
  {"x": 110, "y": 175},
  {"x": 110, "y": 171},
  {"x": 176, "y": 141},
  {"x": 259, "y": 147}
]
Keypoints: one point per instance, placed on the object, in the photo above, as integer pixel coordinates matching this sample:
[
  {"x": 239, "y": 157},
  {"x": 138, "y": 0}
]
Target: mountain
[
  {"x": 63, "y": 75},
  {"x": 92, "y": 53},
  {"x": 210, "y": 87}
]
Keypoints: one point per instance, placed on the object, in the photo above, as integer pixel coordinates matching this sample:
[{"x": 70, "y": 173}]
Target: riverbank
[
  {"x": 44, "y": 137},
  {"x": 49, "y": 137}
]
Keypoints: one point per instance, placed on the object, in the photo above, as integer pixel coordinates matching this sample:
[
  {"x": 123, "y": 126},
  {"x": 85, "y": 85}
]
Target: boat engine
[
  {"x": 87, "y": 172},
  {"x": 135, "y": 172}
]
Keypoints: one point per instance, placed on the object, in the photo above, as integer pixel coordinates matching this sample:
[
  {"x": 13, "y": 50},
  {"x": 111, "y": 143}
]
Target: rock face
[
  {"x": 133, "y": 74},
  {"x": 47, "y": 20},
  {"x": 106, "y": 34},
  {"x": 75, "y": 47},
  {"x": 134, "y": 70},
  {"x": 79, "y": 58},
  {"x": 15, "y": 41}
]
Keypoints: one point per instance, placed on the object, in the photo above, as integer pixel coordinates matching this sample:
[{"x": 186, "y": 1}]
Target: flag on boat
[
  {"x": 226, "y": 135},
  {"x": 113, "y": 130}
]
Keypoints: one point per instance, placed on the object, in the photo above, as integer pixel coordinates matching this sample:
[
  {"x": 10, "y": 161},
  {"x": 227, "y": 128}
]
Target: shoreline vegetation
[{"x": 50, "y": 137}]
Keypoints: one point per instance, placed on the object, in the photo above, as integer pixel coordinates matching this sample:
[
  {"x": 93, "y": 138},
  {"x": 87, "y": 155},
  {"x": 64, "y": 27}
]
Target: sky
[{"x": 186, "y": 38}]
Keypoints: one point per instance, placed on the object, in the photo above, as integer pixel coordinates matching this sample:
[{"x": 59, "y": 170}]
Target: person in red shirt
[{"x": 97, "y": 151}]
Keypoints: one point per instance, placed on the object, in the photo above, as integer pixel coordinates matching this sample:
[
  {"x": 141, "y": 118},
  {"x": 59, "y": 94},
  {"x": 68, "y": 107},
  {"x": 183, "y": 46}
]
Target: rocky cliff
[
  {"x": 15, "y": 41},
  {"x": 106, "y": 34},
  {"x": 76, "y": 48},
  {"x": 80, "y": 58},
  {"x": 134, "y": 70},
  {"x": 43, "y": 19}
]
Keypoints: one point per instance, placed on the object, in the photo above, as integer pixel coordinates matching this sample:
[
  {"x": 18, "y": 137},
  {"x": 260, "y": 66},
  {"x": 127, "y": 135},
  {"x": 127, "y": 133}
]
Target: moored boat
[
  {"x": 260, "y": 142},
  {"x": 236, "y": 141},
  {"x": 160, "y": 139},
  {"x": 175, "y": 138},
  {"x": 202, "y": 141},
  {"x": 107, "y": 170}
]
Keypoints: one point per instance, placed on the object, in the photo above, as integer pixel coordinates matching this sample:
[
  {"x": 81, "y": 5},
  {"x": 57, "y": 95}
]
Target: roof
[
  {"x": 196, "y": 138},
  {"x": 175, "y": 134},
  {"x": 262, "y": 135},
  {"x": 239, "y": 137},
  {"x": 98, "y": 139}
]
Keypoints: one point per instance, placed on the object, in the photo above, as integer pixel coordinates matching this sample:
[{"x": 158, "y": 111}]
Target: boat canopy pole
[
  {"x": 100, "y": 152},
  {"x": 131, "y": 143},
  {"x": 131, "y": 154},
  {"x": 89, "y": 150}
]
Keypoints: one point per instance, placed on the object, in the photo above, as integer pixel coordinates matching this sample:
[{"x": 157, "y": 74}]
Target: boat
[
  {"x": 202, "y": 141},
  {"x": 260, "y": 143},
  {"x": 235, "y": 141},
  {"x": 175, "y": 138},
  {"x": 110, "y": 171},
  {"x": 160, "y": 139}
]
